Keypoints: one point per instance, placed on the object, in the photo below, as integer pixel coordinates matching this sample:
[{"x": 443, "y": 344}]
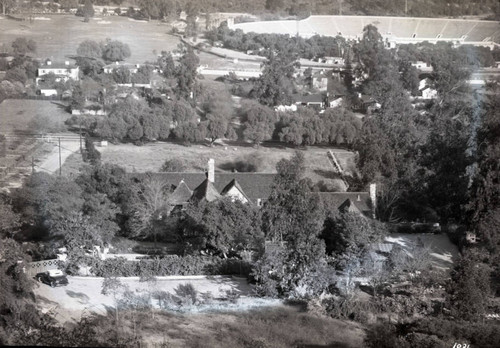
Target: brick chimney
[
  {"x": 211, "y": 170},
  {"x": 373, "y": 198}
]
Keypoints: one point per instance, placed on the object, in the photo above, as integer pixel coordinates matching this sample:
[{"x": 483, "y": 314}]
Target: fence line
[{"x": 41, "y": 266}]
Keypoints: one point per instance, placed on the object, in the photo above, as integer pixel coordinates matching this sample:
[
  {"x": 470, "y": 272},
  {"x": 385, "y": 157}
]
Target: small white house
[
  {"x": 48, "y": 92},
  {"x": 425, "y": 89},
  {"x": 429, "y": 93},
  {"x": 335, "y": 103},
  {"x": 285, "y": 108},
  {"x": 422, "y": 66},
  {"x": 110, "y": 68}
]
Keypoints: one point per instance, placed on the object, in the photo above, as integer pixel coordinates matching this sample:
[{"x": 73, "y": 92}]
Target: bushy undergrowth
[
  {"x": 187, "y": 265},
  {"x": 433, "y": 332},
  {"x": 277, "y": 328}
]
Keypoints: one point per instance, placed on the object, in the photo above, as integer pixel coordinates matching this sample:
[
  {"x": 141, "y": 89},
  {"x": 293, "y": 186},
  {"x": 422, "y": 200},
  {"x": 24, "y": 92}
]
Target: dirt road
[{"x": 83, "y": 294}]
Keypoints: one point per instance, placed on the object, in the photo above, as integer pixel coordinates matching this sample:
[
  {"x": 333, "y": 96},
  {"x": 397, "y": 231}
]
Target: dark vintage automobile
[{"x": 53, "y": 278}]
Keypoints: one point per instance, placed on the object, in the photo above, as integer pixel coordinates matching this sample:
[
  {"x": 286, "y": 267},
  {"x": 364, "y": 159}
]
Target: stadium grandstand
[{"x": 395, "y": 30}]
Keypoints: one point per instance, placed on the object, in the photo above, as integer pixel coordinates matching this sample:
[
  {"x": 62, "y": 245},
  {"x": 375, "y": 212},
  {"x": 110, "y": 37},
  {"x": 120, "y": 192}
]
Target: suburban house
[
  {"x": 317, "y": 100},
  {"x": 320, "y": 81},
  {"x": 425, "y": 89},
  {"x": 110, "y": 68},
  {"x": 422, "y": 66},
  {"x": 331, "y": 60},
  {"x": 335, "y": 102},
  {"x": 250, "y": 188},
  {"x": 366, "y": 103},
  {"x": 62, "y": 71}
]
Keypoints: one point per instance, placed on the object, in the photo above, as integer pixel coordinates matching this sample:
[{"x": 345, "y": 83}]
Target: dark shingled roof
[
  {"x": 181, "y": 194},
  {"x": 254, "y": 185},
  {"x": 258, "y": 186},
  {"x": 349, "y": 207},
  {"x": 311, "y": 98},
  {"x": 57, "y": 65},
  {"x": 205, "y": 190},
  {"x": 361, "y": 200}
]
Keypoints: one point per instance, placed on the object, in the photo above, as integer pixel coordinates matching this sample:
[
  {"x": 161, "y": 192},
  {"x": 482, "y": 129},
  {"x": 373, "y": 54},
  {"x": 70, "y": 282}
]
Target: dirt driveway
[{"x": 83, "y": 294}]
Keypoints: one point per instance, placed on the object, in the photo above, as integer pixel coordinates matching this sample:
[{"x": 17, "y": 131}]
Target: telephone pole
[
  {"x": 32, "y": 165},
  {"x": 406, "y": 7},
  {"x": 60, "y": 165}
]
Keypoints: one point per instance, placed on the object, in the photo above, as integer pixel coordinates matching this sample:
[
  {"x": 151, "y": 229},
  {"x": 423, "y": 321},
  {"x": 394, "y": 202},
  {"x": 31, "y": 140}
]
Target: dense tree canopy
[
  {"x": 259, "y": 122},
  {"x": 114, "y": 51},
  {"x": 275, "y": 85},
  {"x": 292, "y": 219}
]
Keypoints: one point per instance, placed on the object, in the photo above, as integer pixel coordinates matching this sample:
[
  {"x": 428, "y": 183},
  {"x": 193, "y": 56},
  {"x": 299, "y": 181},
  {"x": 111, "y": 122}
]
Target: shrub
[
  {"x": 173, "y": 165},
  {"x": 187, "y": 294},
  {"x": 249, "y": 163},
  {"x": 90, "y": 154}
]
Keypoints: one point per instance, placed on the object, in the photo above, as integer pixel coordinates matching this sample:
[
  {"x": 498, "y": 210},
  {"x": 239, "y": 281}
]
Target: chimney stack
[
  {"x": 211, "y": 170},
  {"x": 49, "y": 62},
  {"x": 373, "y": 197}
]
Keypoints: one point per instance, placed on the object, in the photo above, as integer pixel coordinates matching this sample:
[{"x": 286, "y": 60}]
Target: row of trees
[
  {"x": 263, "y": 44},
  {"x": 109, "y": 50}
]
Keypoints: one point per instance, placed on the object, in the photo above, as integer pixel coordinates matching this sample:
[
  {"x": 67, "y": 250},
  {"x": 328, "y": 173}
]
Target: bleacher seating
[
  {"x": 429, "y": 28},
  {"x": 484, "y": 30},
  {"x": 403, "y": 27},
  {"x": 457, "y": 29},
  {"x": 411, "y": 29}
]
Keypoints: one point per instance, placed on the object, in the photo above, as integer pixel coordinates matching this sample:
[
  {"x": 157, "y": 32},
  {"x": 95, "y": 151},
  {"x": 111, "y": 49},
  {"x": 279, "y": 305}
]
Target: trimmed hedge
[{"x": 171, "y": 265}]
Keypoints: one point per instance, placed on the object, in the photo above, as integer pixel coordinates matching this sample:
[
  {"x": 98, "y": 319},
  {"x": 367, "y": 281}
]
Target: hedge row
[{"x": 169, "y": 266}]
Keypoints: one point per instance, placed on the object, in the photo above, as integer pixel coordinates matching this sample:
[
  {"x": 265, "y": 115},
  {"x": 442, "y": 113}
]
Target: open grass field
[
  {"x": 36, "y": 116},
  {"x": 151, "y": 157},
  {"x": 58, "y": 36}
]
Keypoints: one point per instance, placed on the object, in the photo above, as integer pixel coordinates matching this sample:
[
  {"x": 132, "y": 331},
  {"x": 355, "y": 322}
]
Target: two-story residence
[{"x": 63, "y": 71}]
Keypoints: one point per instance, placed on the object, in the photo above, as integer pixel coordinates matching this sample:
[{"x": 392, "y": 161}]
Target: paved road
[{"x": 51, "y": 163}]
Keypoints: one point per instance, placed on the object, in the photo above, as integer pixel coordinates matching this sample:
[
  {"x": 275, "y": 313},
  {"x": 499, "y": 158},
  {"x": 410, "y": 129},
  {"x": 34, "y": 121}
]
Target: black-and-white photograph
[{"x": 250, "y": 173}]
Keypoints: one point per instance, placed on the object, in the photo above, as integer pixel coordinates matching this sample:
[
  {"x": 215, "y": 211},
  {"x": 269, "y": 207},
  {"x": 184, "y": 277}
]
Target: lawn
[
  {"x": 58, "y": 36},
  {"x": 150, "y": 157}
]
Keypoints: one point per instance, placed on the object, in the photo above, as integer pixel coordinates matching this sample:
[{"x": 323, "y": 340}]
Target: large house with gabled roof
[{"x": 250, "y": 188}]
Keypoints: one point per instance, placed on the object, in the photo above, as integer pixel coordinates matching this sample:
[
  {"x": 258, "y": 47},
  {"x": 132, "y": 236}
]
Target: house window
[{"x": 42, "y": 71}]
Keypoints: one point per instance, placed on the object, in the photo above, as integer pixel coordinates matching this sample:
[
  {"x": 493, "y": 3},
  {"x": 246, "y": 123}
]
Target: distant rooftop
[{"x": 57, "y": 65}]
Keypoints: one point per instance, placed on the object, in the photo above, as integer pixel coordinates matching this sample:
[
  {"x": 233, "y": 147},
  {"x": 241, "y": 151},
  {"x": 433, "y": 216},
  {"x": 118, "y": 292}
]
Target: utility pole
[
  {"x": 80, "y": 134},
  {"x": 60, "y": 165},
  {"x": 406, "y": 7},
  {"x": 32, "y": 165}
]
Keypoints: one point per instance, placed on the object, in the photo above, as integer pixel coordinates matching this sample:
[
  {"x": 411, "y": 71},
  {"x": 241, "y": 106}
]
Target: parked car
[{"x": 54, "y": 277}]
